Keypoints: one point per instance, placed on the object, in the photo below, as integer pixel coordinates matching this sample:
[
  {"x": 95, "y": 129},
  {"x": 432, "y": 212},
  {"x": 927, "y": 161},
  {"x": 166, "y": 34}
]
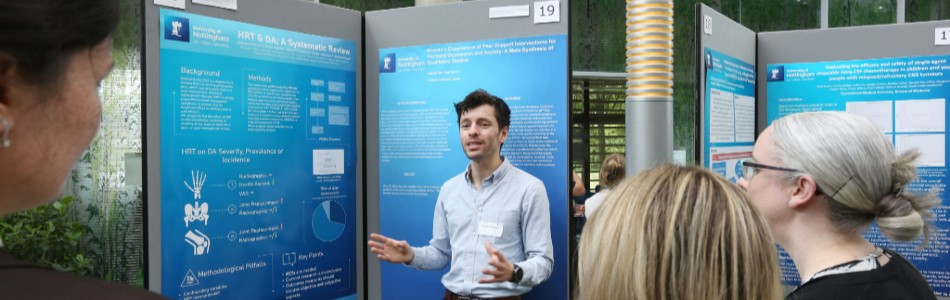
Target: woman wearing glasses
[{"x": 820, "y": 179}]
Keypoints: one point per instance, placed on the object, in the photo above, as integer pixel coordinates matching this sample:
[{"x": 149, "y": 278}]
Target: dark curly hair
[{"x": 480, "y": 97}]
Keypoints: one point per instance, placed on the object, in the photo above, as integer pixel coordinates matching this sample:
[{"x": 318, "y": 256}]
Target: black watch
[{"x": 516, "y": 275}]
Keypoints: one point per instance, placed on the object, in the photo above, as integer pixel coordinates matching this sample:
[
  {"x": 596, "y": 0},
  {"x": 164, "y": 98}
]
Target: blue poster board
[
  {"x": 258, "y": 161},
  {"x": 906, "y": 98},
  {"x": 728, "y": 113},
  {"x": 420, "y": 147}
]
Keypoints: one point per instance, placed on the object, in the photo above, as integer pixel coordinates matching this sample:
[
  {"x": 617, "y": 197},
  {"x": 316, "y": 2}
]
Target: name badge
[{"x": 490, "y": 229}]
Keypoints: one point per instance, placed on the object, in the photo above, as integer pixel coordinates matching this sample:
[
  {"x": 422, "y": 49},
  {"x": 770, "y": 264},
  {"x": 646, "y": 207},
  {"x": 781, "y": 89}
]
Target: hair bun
[
  {"x": 898, "y": 219},
  {"x": 893, "y": 205}
]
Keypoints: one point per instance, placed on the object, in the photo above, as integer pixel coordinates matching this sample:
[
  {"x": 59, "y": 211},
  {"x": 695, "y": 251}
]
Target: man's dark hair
[
  {"x": 480, "y": 97},
  {"x": 41, "y": 35}
]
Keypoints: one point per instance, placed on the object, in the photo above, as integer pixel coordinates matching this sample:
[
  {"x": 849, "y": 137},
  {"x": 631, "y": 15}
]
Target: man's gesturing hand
[
  {"x": 390, "y": 250},
  {"x": 503, "y": 268}
]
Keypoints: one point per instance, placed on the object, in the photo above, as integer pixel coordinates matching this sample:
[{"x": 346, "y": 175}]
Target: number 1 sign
[{"x": 941, "y": 35}]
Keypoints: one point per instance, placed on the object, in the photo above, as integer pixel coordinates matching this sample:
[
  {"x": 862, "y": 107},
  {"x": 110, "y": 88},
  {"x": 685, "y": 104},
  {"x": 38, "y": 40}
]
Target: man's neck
[{"x": 481, "y": 169}]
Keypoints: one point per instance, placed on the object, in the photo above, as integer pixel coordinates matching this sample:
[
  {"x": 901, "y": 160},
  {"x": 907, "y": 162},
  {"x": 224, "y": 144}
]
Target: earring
[{"x": 4, "y": 138}]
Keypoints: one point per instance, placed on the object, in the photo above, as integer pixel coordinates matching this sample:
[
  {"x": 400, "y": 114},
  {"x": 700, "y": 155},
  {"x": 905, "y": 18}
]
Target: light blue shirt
[{"x": 511, "y": 197}]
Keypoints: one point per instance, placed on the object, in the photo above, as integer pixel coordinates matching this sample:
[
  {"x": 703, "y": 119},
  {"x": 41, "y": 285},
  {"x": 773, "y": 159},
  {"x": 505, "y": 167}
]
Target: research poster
[
  {"x": 420, "y": 147},
  {"x": 906, "y": 98},
  {"x": 728, "y": 113},
  {"x": 258, "y": 161}
]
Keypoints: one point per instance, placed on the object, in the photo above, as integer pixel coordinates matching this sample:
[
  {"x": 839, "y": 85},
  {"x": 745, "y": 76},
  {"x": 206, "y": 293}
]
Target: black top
[
  {"x": 19, "y": 280},
  {"x": 898, "y": 279}
]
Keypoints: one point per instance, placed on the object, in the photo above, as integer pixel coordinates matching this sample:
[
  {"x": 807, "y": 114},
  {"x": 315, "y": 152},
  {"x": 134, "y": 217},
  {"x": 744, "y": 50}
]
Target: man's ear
[
  {"x": 504, "y": 134},
  {"x": 803, "y": 190}
]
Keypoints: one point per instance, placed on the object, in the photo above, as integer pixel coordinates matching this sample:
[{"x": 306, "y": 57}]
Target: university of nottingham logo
[
  {"x": 776, "y": 73},
  {"x": 388, "y": 63},
  {"x": 176, "y": 29}
]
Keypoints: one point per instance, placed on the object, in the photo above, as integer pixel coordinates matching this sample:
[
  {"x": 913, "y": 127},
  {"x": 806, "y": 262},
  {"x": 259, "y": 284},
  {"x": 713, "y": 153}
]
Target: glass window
[
  {"x": 926, "y": 10},
  {"x": 598, "y": 35},
  {"x": 107, "y": 180},
  {"x": 599, "y": 123},
  {"x": 843, "y": 13}
]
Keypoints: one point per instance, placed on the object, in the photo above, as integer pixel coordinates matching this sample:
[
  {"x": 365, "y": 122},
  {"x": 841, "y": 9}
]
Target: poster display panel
[
  {"x": 258, "y": 156},
  {"x": 906, "y": 98},
  {"x": 728, "y": 113},
  {"x": 420, "y": 147}
]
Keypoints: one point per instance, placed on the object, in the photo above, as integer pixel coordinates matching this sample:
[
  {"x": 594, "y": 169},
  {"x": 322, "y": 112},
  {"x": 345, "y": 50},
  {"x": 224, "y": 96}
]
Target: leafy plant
[
  {"x": 50, "y": 235},
  {"x": 117, "y": 253}
]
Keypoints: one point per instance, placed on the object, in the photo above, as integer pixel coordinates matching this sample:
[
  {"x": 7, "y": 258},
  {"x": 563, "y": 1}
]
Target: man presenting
[{"x": 492, "y": 221}]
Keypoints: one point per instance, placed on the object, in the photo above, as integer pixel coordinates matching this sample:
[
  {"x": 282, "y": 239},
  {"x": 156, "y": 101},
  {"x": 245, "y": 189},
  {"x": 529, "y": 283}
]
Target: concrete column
[{"x": 649, "y": 67}]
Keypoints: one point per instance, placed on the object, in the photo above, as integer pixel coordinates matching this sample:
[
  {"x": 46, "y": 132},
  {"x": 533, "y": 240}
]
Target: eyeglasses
[{"x": 750, "y": 168}]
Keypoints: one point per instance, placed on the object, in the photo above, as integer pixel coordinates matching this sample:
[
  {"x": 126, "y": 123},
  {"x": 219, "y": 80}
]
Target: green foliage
[
  {"x": 50, "y": 235},
  {"x": 861, "y": 12},
  {"x": 927, "y": 10},
  {"x": 598, "y": 35},
  {"x": 117, "y": 257},
  {"x": 126, "y": 38}
]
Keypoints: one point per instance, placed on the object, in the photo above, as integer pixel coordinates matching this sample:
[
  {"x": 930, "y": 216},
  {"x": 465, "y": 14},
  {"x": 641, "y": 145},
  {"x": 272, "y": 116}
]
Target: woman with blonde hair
[
  {"x": 612, "y": 171},
  {"x": 677, "y": 232},
  {"x": 820, "y": 179}
]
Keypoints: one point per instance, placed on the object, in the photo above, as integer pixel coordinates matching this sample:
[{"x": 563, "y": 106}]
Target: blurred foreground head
[
  {"x": 677, "y": 232},
  {"x": 53, "y": 55}
]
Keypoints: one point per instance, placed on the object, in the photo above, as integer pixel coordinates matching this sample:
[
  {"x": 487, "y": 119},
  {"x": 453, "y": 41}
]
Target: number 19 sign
[{"x": 547, "y": 12}]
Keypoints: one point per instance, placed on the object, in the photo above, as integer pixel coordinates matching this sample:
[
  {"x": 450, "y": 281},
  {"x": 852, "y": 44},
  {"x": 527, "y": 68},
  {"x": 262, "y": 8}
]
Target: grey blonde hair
[
  {"x": 613, "y": 170},
  {"x": 677, "y": 232},
  {"x": 856, "y": 167}
]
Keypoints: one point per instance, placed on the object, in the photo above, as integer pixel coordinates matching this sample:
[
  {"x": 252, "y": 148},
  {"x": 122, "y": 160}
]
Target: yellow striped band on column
[{"x": 649, "y": 50}]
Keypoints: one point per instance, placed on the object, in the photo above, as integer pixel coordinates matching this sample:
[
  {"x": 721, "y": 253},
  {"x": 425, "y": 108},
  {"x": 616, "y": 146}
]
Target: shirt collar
[{"x": 498, "y": 174}]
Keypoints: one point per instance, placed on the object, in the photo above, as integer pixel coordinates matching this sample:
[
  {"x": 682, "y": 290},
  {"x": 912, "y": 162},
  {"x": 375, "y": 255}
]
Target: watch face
[{"x": 517, "y": 274}]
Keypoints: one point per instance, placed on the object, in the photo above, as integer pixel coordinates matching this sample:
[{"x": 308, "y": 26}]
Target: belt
[{"x": 449, "y": 295}]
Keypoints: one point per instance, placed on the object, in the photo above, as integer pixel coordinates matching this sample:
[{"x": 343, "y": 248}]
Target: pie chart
[{"x": 329, "y": 220}]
